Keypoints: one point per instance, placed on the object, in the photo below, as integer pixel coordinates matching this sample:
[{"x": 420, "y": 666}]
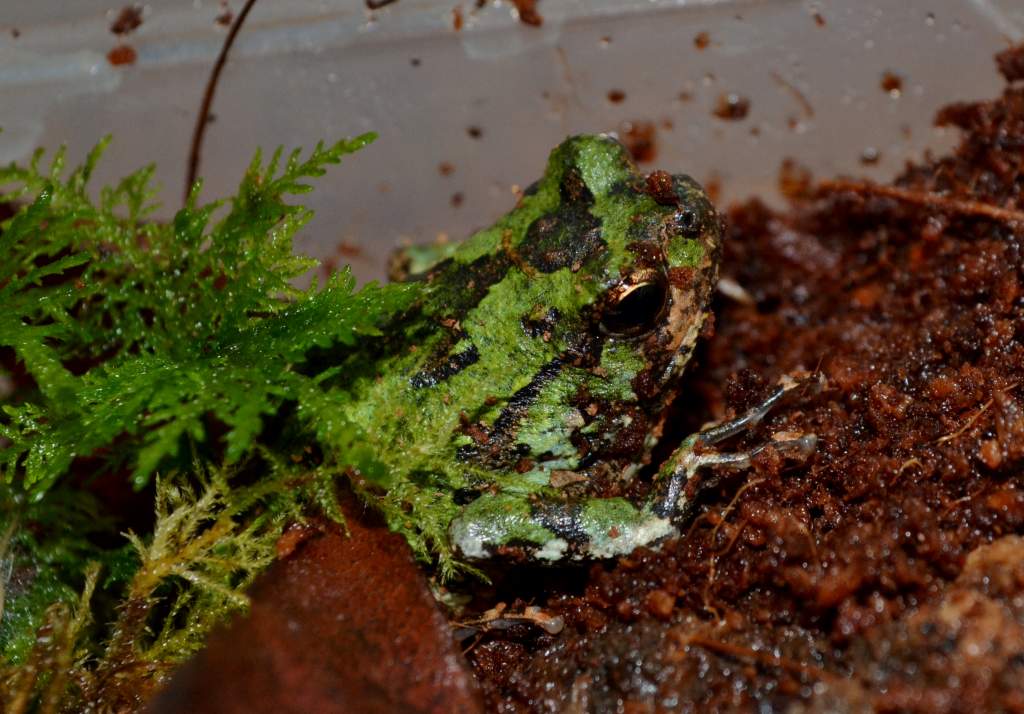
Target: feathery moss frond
[{"x": 143, "y": 347}]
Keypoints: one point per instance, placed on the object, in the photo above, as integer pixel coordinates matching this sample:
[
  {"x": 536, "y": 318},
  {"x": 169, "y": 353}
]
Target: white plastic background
[{"x": 305, "y": 70}]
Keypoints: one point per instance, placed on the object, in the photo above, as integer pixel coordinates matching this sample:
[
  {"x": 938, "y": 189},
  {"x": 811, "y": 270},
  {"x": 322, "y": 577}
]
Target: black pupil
[{"x": 637, "y": 310}]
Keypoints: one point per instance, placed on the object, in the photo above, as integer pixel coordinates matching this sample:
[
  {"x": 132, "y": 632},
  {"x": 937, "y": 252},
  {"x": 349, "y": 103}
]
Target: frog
[{"x": 533, "y": 375}]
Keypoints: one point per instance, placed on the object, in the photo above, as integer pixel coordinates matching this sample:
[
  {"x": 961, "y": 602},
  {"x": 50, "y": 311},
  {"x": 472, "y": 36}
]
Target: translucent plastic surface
[{"x": 465, "y": 115}]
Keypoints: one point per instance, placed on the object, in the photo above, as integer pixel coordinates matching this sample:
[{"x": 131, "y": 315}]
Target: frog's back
[{"x": 513, "y": 361}]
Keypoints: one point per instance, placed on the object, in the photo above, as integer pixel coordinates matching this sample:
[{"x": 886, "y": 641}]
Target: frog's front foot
[
  {"x": 674, "y": 500},
  {"x": 525, "y": 524}
]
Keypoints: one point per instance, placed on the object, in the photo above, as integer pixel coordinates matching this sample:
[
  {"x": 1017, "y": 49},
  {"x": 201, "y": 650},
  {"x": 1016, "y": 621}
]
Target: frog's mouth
[
  {"x": 690, "y": 304},
  {"x": 685, "y": 323}
]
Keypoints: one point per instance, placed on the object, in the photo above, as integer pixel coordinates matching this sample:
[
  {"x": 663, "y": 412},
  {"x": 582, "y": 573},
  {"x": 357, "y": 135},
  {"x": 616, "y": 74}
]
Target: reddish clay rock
[{"x": 342, "y": 624}]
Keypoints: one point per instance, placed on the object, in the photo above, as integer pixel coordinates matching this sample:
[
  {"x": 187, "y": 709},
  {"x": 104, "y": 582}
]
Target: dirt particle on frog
[
  {"x": 661, "y": 188},
  {"x": 127, "y": 21},
  {"x": 892, "y": 84},
  {"x": 731, "y": 107},
  {"x": 560, "y": 478},
  {"x": 640, "y": 138},
  {"x": 122, "y": 55},
  {"x": 527, "y": 11},
  {"x": 616, "y": 96}
]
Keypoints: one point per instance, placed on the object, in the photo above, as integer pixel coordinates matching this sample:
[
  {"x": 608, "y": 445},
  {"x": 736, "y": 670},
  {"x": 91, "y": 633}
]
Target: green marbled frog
[{"x": 536, "y": 367}]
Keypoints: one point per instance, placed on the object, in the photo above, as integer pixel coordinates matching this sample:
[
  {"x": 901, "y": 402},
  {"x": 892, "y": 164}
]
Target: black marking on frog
[
  {"x": 498, "y": 448},
  {"x": 573, "y": 189},
  {"x": 540, "y": 325},
  {"x": 562, "y": 519},
  {"x": 569, "y": 236},
  {"x": 451, "y": 365},
  {"x": 516, "y": 408},
  {"x": 584, "y": 347},
  {"x": 458, "y": 287},
  {"x": 532, "y": 189},
  {"x": 546, "y": 248}
]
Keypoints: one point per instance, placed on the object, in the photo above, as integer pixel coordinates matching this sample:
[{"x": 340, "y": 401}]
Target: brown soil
[{"x": 887, "y": 572}]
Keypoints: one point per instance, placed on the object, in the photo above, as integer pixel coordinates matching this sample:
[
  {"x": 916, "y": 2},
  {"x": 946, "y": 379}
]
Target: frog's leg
[
  {"x": 693, "y": 454},
  {"x": 412, "y": 261},
  {"x": 608, "y": 527}
]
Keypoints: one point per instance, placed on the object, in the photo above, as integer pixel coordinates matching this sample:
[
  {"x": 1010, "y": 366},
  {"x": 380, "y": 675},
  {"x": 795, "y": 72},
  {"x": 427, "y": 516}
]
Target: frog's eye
[{"x": 635, "y": 305}]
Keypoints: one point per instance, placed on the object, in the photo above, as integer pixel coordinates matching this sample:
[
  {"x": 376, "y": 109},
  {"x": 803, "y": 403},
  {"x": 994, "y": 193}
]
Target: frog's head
[
  {"x": 644, "y": 265},
  {"x": 555, "y": 338},
  {"x": 576, "y": 313}
]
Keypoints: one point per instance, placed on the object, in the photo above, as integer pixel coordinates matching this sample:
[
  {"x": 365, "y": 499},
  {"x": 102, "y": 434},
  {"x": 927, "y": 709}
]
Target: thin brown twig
[
  {"x": 736, "y": 651},
  {"x": 477, "y": 639},
  {"x": 963, "y": 499},
  {"x": 974, "y": 418},
  {"x": 732, "y": 541},
  {"x": 713, "y": 568},
  {"x": 732, "y": 505},
  {"x": 903, "y": 467},
  {"x": 211, "y": 87},
  {"x": 967, "y": 425},
  {"x": 693, "y": 524},
  {"x": 926, "y": 198},
  {"x": 795, "y": 92}
]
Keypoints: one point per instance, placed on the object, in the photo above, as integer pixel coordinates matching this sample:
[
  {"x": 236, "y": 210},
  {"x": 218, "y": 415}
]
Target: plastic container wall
[{"x": 466, "y": 115}]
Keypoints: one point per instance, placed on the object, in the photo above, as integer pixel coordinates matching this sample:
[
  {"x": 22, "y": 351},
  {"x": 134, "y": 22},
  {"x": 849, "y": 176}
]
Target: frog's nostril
[{"x": 688, "y": 222}]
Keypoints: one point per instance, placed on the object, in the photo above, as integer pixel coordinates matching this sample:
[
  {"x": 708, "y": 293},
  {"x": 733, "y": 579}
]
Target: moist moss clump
[{"x": 147, "y": 368}]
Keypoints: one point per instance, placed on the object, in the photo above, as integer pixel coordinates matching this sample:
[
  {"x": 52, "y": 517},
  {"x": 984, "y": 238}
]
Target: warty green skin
[{"x": 507, "y": 395}]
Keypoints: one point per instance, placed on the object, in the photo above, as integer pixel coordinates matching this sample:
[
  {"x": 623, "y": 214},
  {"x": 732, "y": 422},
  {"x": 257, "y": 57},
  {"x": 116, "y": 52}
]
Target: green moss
[
  {"x": 207, "y": 321},
  {"x": 158, "y": 347}
]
